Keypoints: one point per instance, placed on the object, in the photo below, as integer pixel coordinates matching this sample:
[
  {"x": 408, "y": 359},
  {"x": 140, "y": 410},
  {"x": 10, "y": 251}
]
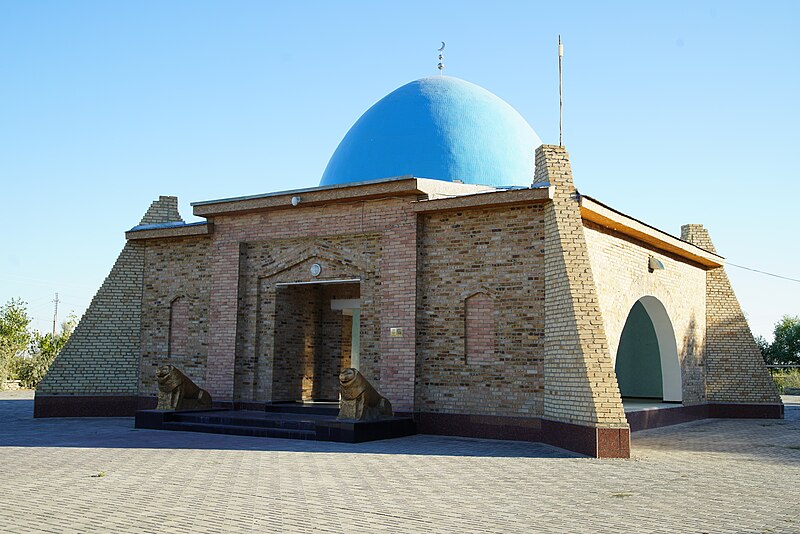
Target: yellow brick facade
[{"x": 556, "y": 289}]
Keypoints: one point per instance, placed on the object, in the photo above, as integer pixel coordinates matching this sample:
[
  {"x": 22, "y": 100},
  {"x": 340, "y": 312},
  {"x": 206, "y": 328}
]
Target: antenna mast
[{"x": 560, "y": 92}]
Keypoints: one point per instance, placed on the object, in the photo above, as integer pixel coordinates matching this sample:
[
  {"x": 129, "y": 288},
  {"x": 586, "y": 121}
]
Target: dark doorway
[{"x": 316, "y": 335}]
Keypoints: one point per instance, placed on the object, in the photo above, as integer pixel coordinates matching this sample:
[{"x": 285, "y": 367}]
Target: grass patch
[{"x": 622, "y": 495}]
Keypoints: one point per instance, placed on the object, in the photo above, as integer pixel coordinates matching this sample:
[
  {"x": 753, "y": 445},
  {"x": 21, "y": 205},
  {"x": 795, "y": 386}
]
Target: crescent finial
[{"x": 442, "y": 48}]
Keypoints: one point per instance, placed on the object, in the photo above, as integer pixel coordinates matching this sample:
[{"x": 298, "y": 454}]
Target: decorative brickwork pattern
[
  {"x": 332, "y": 340},
  {"x": 347, "y": 341},
  {"x": 498, "y": 252},
  {"x": 175, "y": 310},
  {"x": 619, "y": 267},
  {"x": 262, "y": 358},
  {"x": 101, "y": 357},
  {"x": 308, "y": 353},
  {"x": 163, "y": 210},
  {"x": 179, "y": 327},
  {"x": 479, "y": 329},
  {"x": 225, "y": 256},
  {"x": 392, "y": 219},
  {"x": 296, "y": 316},
  {"x": 735, "y": 370},
  {"x": 579, "y": 381},
  {"x": 398, "y": 292}
]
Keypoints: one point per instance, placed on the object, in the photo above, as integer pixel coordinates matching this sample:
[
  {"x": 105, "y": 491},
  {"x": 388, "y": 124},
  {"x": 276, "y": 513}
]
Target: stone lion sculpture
[
  {"x": 360, "y": 401},
  {"x": 177, "y": 392}
]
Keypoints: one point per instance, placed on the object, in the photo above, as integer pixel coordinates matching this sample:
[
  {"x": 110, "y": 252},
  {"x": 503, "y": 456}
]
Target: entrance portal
[
  {"x": 647, "y": 365},
  {"x": 317, "y": 334}
]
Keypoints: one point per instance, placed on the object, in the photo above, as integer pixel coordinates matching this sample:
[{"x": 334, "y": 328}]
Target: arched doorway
[{"x": 647, "y": 365}]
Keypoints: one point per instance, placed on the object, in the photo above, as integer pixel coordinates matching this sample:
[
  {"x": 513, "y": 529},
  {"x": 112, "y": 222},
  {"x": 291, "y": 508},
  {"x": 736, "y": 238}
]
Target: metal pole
[
  {"x": 560, "y": 92},
  {"x": 55, "y": 316}
]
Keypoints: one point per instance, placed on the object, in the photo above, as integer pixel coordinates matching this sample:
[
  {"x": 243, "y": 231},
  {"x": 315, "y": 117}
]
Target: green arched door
[{"x": 638, "y": 365}]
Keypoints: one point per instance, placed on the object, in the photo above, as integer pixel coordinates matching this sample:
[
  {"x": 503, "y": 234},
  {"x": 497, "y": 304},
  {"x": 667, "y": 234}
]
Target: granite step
[
  {"x": 249, "y": 419},
  {"x": 238, "y": 430},
  {"x": 331, "y": 409},
  {"x": 297, "y": 423}
]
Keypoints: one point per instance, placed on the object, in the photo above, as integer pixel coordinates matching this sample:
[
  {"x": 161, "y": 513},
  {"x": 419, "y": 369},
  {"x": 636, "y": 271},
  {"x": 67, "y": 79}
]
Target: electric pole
[{"x": 55, "y": 316}]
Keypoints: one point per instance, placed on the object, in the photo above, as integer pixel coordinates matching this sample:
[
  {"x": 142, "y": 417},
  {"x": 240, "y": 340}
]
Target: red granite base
[
  {"x": 84, "y": 405},
  {"x": 594, "y": 442},
  {"x": 673, "y": 415}
]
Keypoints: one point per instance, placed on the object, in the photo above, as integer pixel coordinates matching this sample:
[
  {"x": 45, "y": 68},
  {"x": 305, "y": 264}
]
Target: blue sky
[{"x": 675, "y": 112}]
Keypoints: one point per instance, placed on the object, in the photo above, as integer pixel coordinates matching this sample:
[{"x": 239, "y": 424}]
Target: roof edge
[
  {"x": 607, "y": 217},
  {"x": 405, "y": 185},
  {"x": 171, "y": 229},
  {"x": 486, "y": 200}
]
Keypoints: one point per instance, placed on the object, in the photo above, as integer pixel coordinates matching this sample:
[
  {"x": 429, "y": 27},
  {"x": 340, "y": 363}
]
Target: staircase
[{"x": 316, "y": 422}]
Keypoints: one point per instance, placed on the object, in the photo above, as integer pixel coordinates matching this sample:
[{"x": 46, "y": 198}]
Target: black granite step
[
  {"x": 304, "y": 408},
  {"x": 237, "y": 430},
  {"x": 249, "y": 418},
  {"x": 293, "y": 421}
]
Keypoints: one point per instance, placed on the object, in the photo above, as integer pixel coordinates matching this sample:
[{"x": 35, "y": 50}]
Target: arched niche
[
  {"x": 647, "y": 363},
  {"x": 178, "y": 327}
]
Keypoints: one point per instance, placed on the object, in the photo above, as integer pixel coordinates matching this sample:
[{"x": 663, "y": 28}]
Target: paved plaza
[{"x": 102, "y": 475}]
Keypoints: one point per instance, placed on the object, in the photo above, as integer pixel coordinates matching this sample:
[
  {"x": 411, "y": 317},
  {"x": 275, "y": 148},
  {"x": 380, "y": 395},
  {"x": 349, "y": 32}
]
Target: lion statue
[
  {"x": 360, "y": 401},
  {"x": 177, "y": 392}
]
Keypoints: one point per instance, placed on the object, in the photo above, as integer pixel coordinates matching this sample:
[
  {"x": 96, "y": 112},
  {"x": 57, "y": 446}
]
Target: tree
[
  {"x": 14, "y": 322},
  {"x": 14, "y": 335},
  {"x": 43, "y": 351},
  {"x": 785, "y": 349},
  {"x": 763, "y": 346}
]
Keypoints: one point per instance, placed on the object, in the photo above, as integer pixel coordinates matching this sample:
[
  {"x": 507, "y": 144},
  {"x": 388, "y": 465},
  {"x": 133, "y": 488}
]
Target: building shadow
[{"x": 18, "y": 428}]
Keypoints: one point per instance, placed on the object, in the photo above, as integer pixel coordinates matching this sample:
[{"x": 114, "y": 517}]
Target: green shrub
[
  {"x": 31, "y": 370},
  {"x": 44, "y": 349},
  {"x": 5, "y": 364},
  {"x": 786, "y": 378}
]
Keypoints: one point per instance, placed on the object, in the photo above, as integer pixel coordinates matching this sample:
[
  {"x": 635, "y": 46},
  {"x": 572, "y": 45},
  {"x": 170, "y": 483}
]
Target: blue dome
[{"x": 438, "y": 127}]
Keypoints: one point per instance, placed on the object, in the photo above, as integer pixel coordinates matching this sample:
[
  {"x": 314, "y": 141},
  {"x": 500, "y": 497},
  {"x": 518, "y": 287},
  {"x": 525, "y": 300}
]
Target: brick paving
[{"x": 79, "y": 475}]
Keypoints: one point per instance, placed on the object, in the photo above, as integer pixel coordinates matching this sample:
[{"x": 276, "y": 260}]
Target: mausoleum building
[{"x": 448, "y": 256}]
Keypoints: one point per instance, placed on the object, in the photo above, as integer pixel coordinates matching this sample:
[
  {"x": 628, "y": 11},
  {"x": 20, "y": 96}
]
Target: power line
[{"x": 762, "y": 272}]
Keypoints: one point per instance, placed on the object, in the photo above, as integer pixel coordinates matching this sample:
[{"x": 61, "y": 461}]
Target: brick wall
[
  {"x": 179, "y": 327},
  {"x": 496, "y": 252},
  {"x": 735, "y": 370},
  {"x": 619, "y": 266},
  {"x": 332, "y": 340},
  {"x": 101, "y": 357},
  {"x": 163, "y": 210},
  {"x": 238, "y": 296},
  {"x": 579, "y": 380},
  {"x": 308, "y": 348},
  {"x": 296, "y": 316},
  {"x": 175, "y": 310},
  {"x": 480, "y": 329},
  {"x": 223, "y": 310},
  {"x": 346, "y": 334},
  {"x": 268, "y": 263}
]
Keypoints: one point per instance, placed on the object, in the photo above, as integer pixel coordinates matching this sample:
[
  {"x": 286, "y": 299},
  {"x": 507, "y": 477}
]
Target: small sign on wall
[{"x": 395, "y": 332}]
